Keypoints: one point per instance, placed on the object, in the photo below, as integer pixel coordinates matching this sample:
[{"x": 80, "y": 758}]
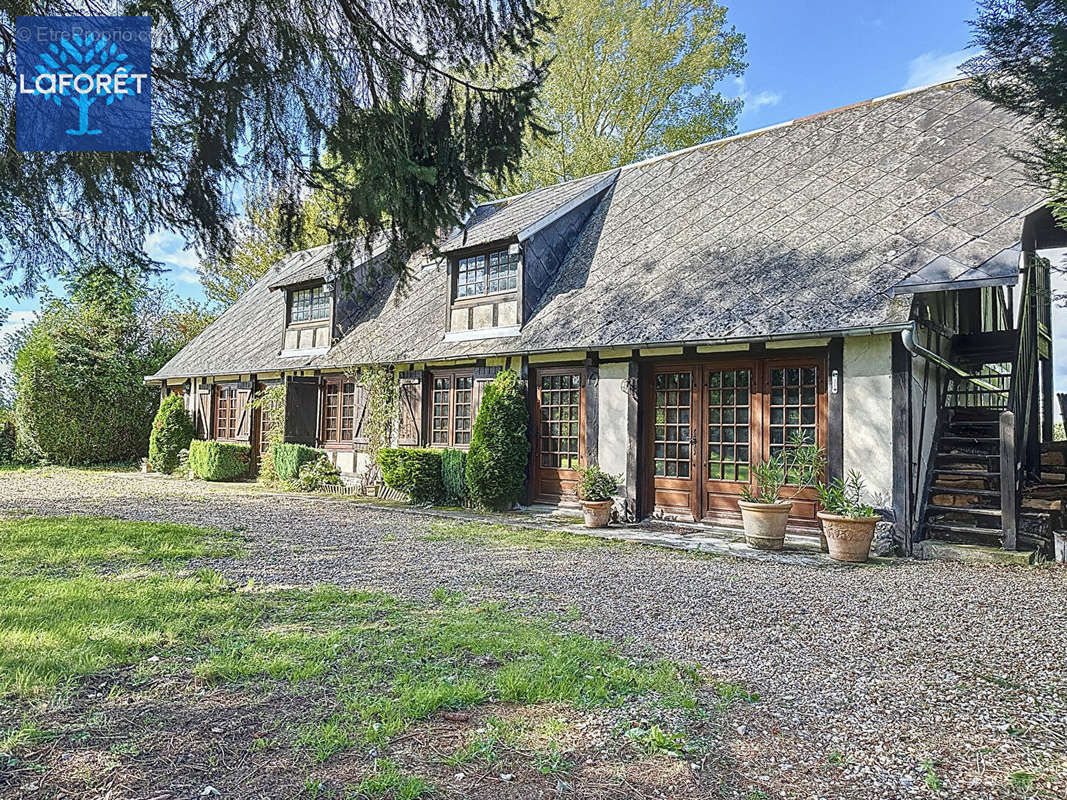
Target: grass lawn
[{"x": 117, "y": 651}]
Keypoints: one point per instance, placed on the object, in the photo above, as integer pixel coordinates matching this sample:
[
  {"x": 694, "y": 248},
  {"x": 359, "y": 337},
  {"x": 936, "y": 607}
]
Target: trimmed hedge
[
  {"x": 289, "y": 458},
  {"x": 497, "y": 461},
  {"x": 172, "y": 431},
  {"x": 454, "y": 476},
  {"x": 416, "y": 471},
  {"x": 218, "y": 461}
]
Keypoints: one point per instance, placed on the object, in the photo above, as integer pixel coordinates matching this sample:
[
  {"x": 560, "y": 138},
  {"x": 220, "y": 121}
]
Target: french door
[
  {"x": 559, "y": 432},
  {"x": 714, "y": 422}
]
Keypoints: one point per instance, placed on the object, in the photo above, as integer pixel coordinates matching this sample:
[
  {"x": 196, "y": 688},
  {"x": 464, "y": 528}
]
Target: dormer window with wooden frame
[
  {"x": 487, "y": 273},
  {"x": 309, "y": 305},
  {"x": 484, "y": 289}
]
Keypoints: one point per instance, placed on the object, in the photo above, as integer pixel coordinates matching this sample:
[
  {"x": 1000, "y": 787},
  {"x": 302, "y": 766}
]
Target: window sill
[{"x": 471, "y": 334}]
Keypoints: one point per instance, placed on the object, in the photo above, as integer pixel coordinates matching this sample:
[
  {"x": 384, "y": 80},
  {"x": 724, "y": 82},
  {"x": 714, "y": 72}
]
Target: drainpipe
[{"x": 908, "y": 337}]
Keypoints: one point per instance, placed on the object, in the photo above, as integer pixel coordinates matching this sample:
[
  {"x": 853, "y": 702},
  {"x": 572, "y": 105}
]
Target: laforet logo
[{"x": 83, "y": 83}]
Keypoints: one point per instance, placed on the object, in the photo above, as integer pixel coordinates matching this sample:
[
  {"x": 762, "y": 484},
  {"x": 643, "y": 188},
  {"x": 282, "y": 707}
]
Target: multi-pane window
[
  {"x": 728, "y": 445},
  {"x": 793, "y": 403},
  {"x": 462, "y": 416},
  {"x": 442, "y": 392},
  {"x": 674, "y": 406},
  {"x": 226, "y": 413},
  {"x": 451, "y": 410},
  {"x": 310, "y": 304},
  {"x": 339, "y": 421},
  {"x": 560, "y": 397},
  {"x": 487, "y": 274}
]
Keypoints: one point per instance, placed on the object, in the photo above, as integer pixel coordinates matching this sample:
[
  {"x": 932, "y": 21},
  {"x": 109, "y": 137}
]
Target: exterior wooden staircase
[{"x": 964, "y": 498}]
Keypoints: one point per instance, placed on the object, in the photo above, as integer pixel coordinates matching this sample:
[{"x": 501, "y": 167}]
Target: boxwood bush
[
  {"x": 218, "y": 461},
  {"x": 416, "y": 471},
  {"x": 289, "y": 458},
  {"x": 172, "y": 431},
  {"x": 454, "y": 476},
  {"x": 496, "y": 463}
]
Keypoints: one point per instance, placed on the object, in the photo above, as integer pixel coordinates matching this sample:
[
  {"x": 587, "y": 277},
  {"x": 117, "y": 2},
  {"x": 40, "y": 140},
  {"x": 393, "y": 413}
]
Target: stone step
[
  {"x": 940, "y": 550},
  {"x": 941, "y": 489},
  {"x": 969, "y": 473}
]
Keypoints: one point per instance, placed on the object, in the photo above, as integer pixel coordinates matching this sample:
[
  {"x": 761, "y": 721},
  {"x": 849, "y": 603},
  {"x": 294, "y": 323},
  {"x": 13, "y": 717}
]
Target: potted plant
[
  {"x": 764, "y": 513},
  {"x": 596, "y": 491},
  {"x": 847, "y": 522}
]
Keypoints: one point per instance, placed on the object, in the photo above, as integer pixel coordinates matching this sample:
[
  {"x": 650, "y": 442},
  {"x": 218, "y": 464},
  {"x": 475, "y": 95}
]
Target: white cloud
[
  {"x": 175, "y": 252},
  {"x": 16, "y": 320},
  {"x": 755, "y": 101},
  {"x": 934, "y": 67}
]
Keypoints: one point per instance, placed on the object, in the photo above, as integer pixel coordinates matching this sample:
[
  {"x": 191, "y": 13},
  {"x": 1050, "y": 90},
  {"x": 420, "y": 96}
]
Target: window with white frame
[{"x": 487, "y": 273}]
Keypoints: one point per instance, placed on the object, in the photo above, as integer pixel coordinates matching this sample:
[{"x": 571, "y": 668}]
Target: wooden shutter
[
  {"x": 302, "y": 410},
  {"x": 205, "y": 396},
  {"x": 359, "y": 416},
  {"x": 483, "y": 376},
  {"x": 410, "y": 400},
  {"x": 244, "y": 413}
]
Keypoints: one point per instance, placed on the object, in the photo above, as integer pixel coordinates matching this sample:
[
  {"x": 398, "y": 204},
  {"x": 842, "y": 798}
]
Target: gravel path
[{"x": 912, "y": 679}]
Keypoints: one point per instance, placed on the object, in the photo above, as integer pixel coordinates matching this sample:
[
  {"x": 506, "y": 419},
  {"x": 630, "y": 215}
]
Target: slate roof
[{"x": 813, "y": 226}]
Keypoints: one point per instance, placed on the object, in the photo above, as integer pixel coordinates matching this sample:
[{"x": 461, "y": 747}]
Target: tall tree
[
  {"x": 1023, "y": 67},
  {"x": 399, "y": 91},
  {"x": 630, "y": 79}
]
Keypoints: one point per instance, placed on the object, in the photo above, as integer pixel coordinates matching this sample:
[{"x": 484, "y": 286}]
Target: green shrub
[
  {"x": 416, "y": 471},
  {"x": 595, "y": 485},
  {"x": 172, "y": 431},
  {"x": 496, "y": 463},
  {"x": 454, "y": 476},
  {"x": 289, "y": 458},
  {"x": 8, "y": 441},
  {"x": 319, "y": 473},
  {"x": 218, "y": 461}
]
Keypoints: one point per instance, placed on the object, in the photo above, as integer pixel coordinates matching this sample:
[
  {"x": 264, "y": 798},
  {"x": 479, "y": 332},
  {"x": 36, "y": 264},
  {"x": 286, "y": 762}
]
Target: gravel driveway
[{"x": 912, "y": 679}]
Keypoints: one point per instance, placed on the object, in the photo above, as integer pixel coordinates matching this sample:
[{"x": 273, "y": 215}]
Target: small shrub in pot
[
  {"x": 596, "y": 491},
  {"x": 764, "y": 512},
  {"x": 847, "y": 522}
]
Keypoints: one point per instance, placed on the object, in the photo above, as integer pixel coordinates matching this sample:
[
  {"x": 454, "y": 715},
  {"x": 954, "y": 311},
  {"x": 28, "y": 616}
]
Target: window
[
  {"x": 308, "y": 305},
  {"x": 487, "y": 274},
  {"x": 225, "y": 413},
  {"x": 451, "y": 410},
  {"x": 339, "y": 413}
]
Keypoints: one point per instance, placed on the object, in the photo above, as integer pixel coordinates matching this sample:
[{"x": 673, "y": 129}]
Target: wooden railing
[{"x": 1020, "y": 436}]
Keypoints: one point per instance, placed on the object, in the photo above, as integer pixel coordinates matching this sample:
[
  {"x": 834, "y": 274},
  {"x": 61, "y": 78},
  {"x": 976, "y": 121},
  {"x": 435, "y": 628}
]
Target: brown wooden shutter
[
  {"x": 204, "y": 418},
  {"x": 302, "y": 410},
  {"x": 244, "y": 413},
  {"x": 483, "y": 376},
  {"x": 359, "y": 416},
  {"x": 410, "y": 400}
]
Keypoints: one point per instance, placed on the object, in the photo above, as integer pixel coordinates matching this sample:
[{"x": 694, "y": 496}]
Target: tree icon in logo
[{"x": 83, "y": 69}]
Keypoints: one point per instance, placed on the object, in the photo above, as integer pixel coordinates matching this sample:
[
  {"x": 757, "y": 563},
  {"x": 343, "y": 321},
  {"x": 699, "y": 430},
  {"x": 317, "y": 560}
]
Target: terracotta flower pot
[
  {"x": 849, "y": 538},
  {"x": 597, "y": 513},
  {"x": 765, "y": 524}
]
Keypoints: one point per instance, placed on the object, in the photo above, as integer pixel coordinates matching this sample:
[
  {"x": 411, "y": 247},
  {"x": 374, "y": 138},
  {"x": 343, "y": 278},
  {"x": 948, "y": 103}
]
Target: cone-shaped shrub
[
  {"x": 172, "y": 430},
  {"x": 496, "y": 463}
]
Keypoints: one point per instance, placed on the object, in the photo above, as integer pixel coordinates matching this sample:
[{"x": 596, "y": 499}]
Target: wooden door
[
  {"x": 713, "y": 422},
  {"x": 731, "y": 434},
  {"x": 676, "y": 421},
  {"x": 559, "y": 435},
  {"x": 794, "y": 402}
]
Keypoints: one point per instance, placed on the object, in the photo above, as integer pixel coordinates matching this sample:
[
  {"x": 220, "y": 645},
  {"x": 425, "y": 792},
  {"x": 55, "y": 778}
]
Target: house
[{"x": 865, "y": 277}]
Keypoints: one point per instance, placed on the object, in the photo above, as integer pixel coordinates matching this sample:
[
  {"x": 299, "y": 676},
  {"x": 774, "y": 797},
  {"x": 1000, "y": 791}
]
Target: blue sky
[{"x": 804, "y": 57}]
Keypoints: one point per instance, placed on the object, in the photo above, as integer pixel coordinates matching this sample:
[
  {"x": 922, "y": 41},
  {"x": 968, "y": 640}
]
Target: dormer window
[
  {"x": 309, "y": 305},
  {"x": 487, "y": 273}
]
